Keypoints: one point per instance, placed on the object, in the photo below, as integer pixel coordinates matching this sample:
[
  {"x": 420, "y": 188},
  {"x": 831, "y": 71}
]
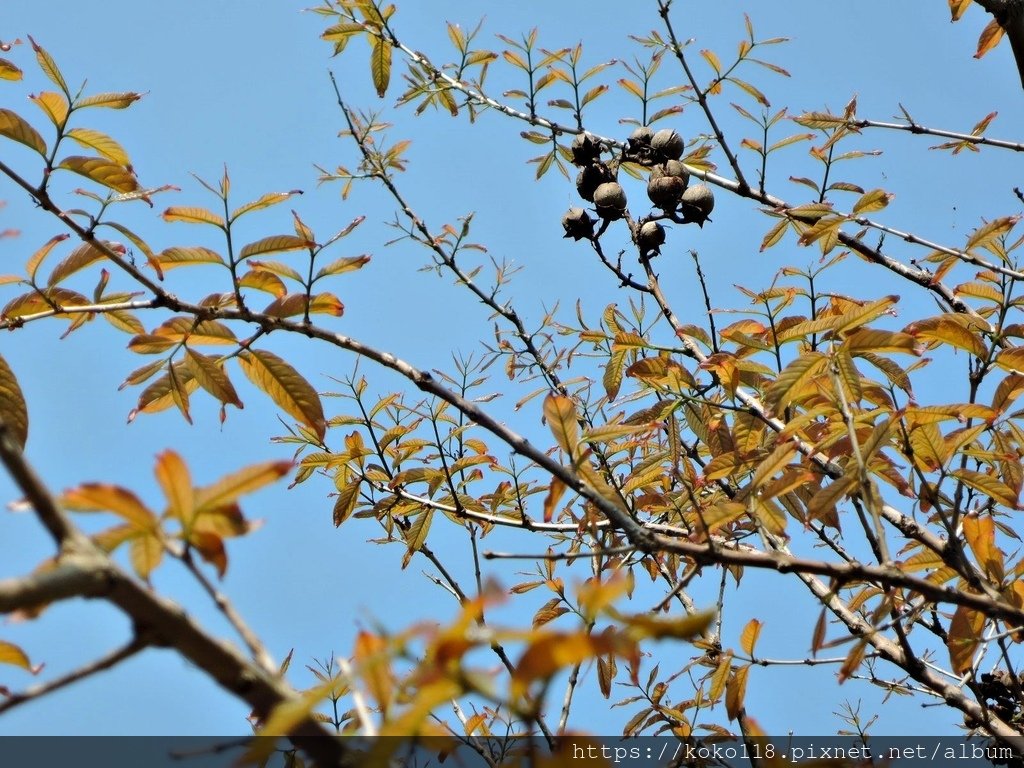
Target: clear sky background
[{"x": 246, "y": 85}]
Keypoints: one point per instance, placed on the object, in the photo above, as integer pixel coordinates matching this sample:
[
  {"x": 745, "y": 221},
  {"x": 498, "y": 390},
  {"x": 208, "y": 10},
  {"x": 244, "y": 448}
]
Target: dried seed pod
[
  {"x": 641, "y": 137},
  {"x": 610, "y": 199},
  {"x": 650, "y": 237},
  {"x": 667, "y": 144},
  {"x": 590, "y": 178},
  {"x": 697, "y": 203},
  {"x": 678, "y": 170},
  {"x": 665, "y": 191},
  {"x": 578, "y": 224},
  {"x": 585, "y": 149}
]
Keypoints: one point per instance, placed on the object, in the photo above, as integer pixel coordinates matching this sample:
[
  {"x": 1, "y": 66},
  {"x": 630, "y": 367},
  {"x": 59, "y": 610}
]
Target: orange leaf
[{"x": 989, "y": 38}]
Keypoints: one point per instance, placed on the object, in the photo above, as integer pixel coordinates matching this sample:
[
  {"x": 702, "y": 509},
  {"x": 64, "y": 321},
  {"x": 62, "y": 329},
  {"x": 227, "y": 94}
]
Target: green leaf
[
  {"x": 286, "y": 387},
  {"x": 16, "y": 128},
  {"x": 13, "y": 408},
  {"x": 380, "y": 65}
]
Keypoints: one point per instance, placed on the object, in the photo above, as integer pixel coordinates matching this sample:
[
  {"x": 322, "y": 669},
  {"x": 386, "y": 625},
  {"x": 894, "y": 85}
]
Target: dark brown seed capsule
[{"x": 578, "y": 224}]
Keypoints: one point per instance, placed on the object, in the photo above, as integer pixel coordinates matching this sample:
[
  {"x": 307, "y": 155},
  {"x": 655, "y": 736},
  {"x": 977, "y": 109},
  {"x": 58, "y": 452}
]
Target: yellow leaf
[
  {"x": 12, "y": 654},
  {"x": 989, "y": 38},
  {"x": 988, "y": 485},
  {"x": 13, "y": 408},
  {"x": 49, "y": 66},
  {"x": 372, "y": 664},
  {"x": 192, "y": 215},
  {"x": 719, "y": 678},
  {"x": 100, "y": 142},
  {"x": 273, "y": 244},
  {"x": 555, "y": 492},
  {"x": 121, "y": 100},
  {"x": 736, "y": 692},
  {"x": 227, "y": 490},
  {"x": 15, "y": 127},
  {"x": 103, "y": 497},
  {"x": 181, "y": 257},
  {"x": 145, "y": 553},
  {"x": 289, "y": 390},
  {"x": 176, "y": 483},
  {"x": 749, "y": 635},
  {"x": 980, "y": 533},
  {"x": 211, "y": 377},
  {"x": 265, "y": 201},
  {"x": 102, "y": 171},
  {"x": 643, "y": 626},
  {"x": 560, "y": 414},
  {"x": 875, "y": 200},
  {"x": 380, "y": 64},
  {"x": 964, "y": 637},
  {"x": 8, "y": 70}
]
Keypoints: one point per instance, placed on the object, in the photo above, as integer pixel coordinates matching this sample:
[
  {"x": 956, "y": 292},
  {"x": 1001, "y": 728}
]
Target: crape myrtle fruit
[
  {"x": 590, "y": 177},
  {"x": 578, "y": 224},
  {"x": 667, "y": 184},
  {"x": 697, "y": 203},
  {"x": 610, "y": 199},
  {"x": 585, "y": 149},
  {"x": 666, "y": 144},
  {"x": 650, "y": 237}
]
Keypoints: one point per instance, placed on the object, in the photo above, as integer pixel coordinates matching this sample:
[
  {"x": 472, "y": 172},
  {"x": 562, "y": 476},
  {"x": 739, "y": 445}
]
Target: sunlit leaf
[
  {"x": 211, "y": 376},
  {"x": 102, "y": 171},
  {"x": 560, "y": 414},
  {"x": 101, "y": 143},
  {"x": 13, "y": 408},
  {"x": 286, "y": 387},
  {"x": 15, "y": 127},
  {"x": 273, "y": 244}
]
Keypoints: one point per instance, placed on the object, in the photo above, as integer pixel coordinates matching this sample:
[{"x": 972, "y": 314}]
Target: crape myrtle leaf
[
  {"x": 957, "y": 8},
  {"x": 145, "y": 554},
  {"x": 555, "y": 492},
  {"x": 36, "y": 302},
  {"x": 102, "y": 171},
  {"x": 172, "y": 474},
  {"x": 548, "y": 612},
  {"x": 192, "y": 215},
  {"x": 178, "y": 256},
  {"x": 416, "y": 534},
  {"x": 13, "y": 408},
  {"x": 9, "y": 71},
  {"x": 719, "y": 678},
  {"x": 142, "y": 373},
  {"x": 158, "y": 396},
  {"x": 263, "y": 280},
  {"x": 989, "y": 38},
  {"x": 371, "y": 662},
  {"x": 80, "y": 258},
  {"x": 346, "y": 502},
  {"x": 560, "y": 414},
  {"x": 54, "y": 106},
  {"x": 264, "y": 201},
  {"x": 980, "y": 533},
  {"x": 380, "y": 64},
  {"x": 16, "y": 128},
  {"x": 298, "y": 303},
  {"x": 211, "y": 377},
  {"x": 49, "y": 67},
  {"x": 964, "y": 637},
  {"x": 101, "y": 143},
  {"x": 749, "y": 635},
  {"x": 282, "y": 720},
  {"x": 286, "y": 387},
  {"x": 229, "y": 488},
  {"x": 273, "y": 244},
  {"x": 121, "y": 100},
  {"x": 15, "y": 656},
  {"x": 736, "y": 692},
  {"x": 997, "y": 490},
  {"x": 103, "y": 497},
  {"x": 32, "y": 266},
  {"x": 341, "y": 266}
]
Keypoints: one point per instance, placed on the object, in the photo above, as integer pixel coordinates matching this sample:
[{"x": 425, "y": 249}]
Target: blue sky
[{"x": 227, "y": 85}]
